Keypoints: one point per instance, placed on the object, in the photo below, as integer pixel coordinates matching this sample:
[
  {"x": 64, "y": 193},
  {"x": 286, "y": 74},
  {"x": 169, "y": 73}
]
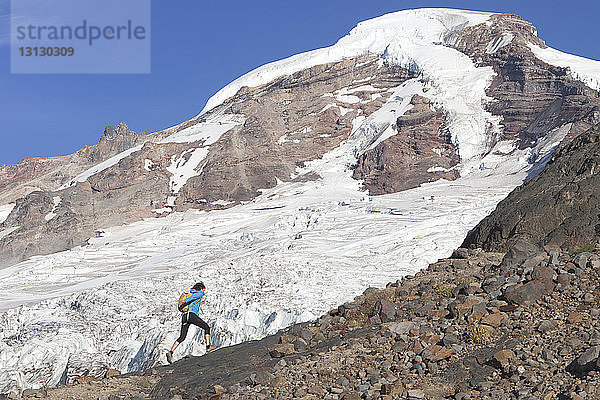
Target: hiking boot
[
  {"x": 211, "y": 348},
  {"x": 170, "y": 357}
]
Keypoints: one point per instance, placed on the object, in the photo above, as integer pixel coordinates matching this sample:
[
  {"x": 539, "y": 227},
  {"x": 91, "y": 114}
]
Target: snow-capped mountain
[{"x": 300, "y": 184}]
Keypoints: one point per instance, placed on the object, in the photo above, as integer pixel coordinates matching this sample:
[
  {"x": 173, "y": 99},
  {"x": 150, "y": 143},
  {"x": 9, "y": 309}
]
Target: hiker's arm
[{"x": 194, "y": 297}]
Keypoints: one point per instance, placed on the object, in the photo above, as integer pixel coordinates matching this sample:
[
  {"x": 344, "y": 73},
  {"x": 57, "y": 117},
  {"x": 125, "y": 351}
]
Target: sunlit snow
[
  {"x": 582, "y": 69},
  {"x": 5, "y": 211}
]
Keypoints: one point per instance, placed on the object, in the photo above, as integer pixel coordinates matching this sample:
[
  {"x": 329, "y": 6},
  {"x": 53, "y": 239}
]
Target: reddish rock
[
  {"x": 386, "y": 310},
  {"x": 281, "y": 350},
  {"x": 503, "y": 358},
  {"x": 574, "y": 317},
  {"x": 112, "y": 372},
  {"x": 85, "y": 379},
  {"x": 436, "y": 353},
  {"x": 316, "y": 390},
  {"x": 529, "y": 292},
  {"x": 494, "y": 320}
]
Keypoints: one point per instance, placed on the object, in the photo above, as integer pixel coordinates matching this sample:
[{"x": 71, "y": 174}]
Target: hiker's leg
[
  {"x": 196, "y": 320},
  {"x": 185, "y": 325}
]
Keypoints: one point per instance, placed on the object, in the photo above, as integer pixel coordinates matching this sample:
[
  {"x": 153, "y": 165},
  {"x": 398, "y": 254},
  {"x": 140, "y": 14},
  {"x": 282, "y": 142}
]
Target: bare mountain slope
[{"x": 49, "y": 174}]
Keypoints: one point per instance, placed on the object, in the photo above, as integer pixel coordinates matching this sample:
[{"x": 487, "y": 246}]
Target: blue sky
[{"x": 200, "y": 46}]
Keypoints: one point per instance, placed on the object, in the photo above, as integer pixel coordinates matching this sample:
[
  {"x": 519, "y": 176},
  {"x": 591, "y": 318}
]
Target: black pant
[{"x": 191, "y": 318}]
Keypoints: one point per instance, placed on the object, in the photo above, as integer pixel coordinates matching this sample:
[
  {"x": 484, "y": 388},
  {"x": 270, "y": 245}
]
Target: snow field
[{"x": 5, "y": 211}]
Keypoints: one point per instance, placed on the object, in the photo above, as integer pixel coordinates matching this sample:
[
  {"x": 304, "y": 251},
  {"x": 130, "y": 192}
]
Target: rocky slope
[
  {"x": 458, "y": 330},
  {"x": 466, "y": 82},
  {"x": 558, "y": 208},
  {"x": 49, "y": 174}
]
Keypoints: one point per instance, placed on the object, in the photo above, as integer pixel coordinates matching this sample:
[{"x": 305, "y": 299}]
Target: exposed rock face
[
  {"x": 421, "y": 151},
  {"x": 559, "y": 207},
  {"x": 48, "y": 174},
  {"x": 114, "y": 140},
  {"x": 532, "y": 97},
  {"x": 120, "y": 194},
  {"x": 290, "y": 121}
]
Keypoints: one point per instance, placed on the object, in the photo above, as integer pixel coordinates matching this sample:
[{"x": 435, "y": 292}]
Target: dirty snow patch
[
  {"x": 163, "y": 210},
  {"x": 397, "y": 105},
  {"x": 148, "y": 164},
  {"x": 56, "y": 200},
  {"x": 437, "y": 169},
  {"x": 184, "y": 167},
  {"x": 343, "y": 110},
  {"x": 499, "y": 42},
  {"x": 8, "y": 231},
  {"x": 101, "y": 167},
  {"x": 208, "y": 131},
  {"x": 222, "y": 202},
  {"x": 5, "y": 211}
]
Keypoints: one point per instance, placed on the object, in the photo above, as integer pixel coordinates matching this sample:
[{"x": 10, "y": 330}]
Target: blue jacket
[{"x": 194, "y": 301}]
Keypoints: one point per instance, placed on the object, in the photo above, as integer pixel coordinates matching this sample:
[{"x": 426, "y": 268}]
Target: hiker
[{"x": 189, "y": 304}]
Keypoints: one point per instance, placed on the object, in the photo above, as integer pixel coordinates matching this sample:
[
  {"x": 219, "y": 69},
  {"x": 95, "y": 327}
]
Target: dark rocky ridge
[{"x": 560, "y": 207}]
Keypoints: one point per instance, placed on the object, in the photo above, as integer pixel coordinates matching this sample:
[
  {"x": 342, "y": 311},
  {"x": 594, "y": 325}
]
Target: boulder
[
  {"x": 282, "y": 350},
  {"x": 546, "y": 326},
  {"x": 528, "y": 292},
  {"x": 262, "y": 378},
  {"x": 436, "y": 353},
  {"x": 494, "y": 320},
  {"x": 574, "y": 317},
  {"x": 521, "y": 250},
  {"x": 581, "y": 259},
  {"x": 502, "y": 359},
  {"x": 386, "y": 310},
  {"x": 586, "y": 362},
  {"x": 401, "y": 328}
]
